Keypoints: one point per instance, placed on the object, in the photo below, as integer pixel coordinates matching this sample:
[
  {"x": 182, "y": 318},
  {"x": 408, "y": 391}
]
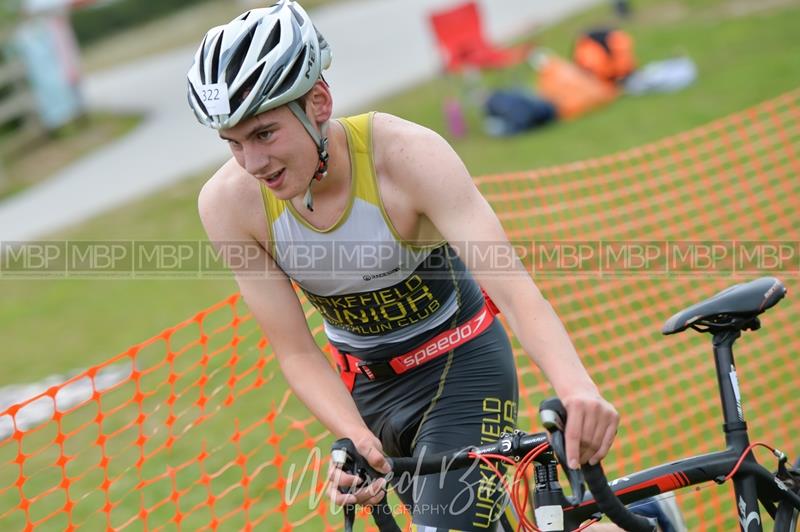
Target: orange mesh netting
[{"x": 198, "y": 432}]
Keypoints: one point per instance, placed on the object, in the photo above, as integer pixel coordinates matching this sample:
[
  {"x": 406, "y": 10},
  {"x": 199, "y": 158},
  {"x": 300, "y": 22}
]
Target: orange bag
[
  {"x": 571, "y": 89},
  {"x": 608, "y": 54}
]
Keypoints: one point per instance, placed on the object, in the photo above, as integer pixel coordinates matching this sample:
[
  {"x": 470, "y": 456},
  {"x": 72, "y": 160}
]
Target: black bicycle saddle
[{"x": 742, "y": 301}]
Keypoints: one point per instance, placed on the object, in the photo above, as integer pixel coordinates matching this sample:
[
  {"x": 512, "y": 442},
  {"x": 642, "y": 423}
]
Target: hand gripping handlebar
[{"x": 554, "y": 418}]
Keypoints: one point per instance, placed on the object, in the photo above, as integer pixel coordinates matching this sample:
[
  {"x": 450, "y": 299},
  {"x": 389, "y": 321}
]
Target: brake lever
[
  {"x": 345, "y": 455},
  {"x": 554, "y": 416}
]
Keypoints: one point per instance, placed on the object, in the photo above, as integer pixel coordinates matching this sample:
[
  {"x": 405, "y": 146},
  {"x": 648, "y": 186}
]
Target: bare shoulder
[
  {"x": 222, "y": 187},
  {"x": 396, "y": 139},
  {"x": 230, "y": 204},
  {"x": 416, "y": 158}
]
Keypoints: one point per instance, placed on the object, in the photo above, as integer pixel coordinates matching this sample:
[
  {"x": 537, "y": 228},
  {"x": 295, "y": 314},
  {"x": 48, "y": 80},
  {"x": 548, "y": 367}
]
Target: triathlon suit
[{"x": 379, "y": 297}]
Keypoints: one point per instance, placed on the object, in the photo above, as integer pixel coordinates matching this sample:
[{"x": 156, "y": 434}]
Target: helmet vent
[
  {"x": 244, "y": 90},
  {"x": 244, "y": 17},
  {"x": 296, "y": 15},
  {"x": 198, "y": 101},
  {"x": 272, "y": 41},
  {"x": 202, "y": 71},
  {"x": 235, "y": 63},
  {"x": 215, "y": 59},
  {"x": 292, "y": 76}
]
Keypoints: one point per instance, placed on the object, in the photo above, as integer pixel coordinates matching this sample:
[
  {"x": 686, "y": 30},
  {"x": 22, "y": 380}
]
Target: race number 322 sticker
[{"x": 215, "y": 98}]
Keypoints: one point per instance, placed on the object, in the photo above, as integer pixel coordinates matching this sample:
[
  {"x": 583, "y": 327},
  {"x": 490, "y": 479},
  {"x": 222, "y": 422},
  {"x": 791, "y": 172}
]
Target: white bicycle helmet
[{"x": 260, "y": 60}]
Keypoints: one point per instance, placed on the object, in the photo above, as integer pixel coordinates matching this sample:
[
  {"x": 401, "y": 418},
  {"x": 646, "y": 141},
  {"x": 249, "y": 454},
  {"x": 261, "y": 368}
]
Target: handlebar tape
[
  {"x": 431, "y": 463},
  {"x": 610, "y": 505}
]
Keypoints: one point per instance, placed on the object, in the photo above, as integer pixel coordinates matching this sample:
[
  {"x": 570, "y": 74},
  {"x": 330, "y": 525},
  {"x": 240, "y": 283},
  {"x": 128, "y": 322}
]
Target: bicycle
[{"x": 725, "y": 316}]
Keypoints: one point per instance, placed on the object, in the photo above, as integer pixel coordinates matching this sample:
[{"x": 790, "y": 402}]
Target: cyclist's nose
[{"x": 256, "y": 161}]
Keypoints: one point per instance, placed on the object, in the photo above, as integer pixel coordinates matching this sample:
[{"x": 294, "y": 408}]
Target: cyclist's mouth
[{"x": 275, "y": 180}]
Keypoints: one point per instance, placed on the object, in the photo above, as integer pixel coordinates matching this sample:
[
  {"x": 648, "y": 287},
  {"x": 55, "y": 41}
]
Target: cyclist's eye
[
  {"x": 234, "y": 145},
  {"x": 264, "y": 135}
]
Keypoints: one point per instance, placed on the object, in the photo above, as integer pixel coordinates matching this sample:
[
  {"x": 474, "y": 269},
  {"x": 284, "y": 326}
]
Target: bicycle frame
[{"x": 752, "y": 483}]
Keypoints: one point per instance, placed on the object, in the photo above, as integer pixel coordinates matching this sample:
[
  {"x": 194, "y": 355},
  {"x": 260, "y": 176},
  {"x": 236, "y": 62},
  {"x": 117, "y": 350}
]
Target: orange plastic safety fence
[{"x": 198, "y": 430}]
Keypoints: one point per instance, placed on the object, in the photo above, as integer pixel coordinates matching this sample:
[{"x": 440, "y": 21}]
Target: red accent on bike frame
[
  {"x": 668, "y": 482},
  {"x": 679, "y": 479},
  {"x": 664, "y": 483}
]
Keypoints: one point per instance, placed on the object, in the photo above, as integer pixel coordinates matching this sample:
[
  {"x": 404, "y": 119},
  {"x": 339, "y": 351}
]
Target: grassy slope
[{"x": 82, "y": 322}]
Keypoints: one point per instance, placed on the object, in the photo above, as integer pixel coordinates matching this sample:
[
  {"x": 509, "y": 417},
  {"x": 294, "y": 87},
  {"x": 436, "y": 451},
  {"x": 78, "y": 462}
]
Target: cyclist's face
[{"x": 275, "y": 148}]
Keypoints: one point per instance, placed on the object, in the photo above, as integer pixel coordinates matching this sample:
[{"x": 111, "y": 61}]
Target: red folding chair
[{"x": 463, "y": 45}]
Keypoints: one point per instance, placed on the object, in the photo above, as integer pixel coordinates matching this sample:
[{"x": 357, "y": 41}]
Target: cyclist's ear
[{"x": 319, "y": 103}]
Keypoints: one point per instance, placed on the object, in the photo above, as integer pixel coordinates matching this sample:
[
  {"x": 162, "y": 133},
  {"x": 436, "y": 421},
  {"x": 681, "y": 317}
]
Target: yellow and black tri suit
[{"x": 380, "y": 296}]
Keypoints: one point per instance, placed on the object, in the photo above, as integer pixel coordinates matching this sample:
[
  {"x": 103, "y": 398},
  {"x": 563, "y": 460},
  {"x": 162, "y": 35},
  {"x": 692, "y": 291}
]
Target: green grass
[
  {"x": 51, "y": 326},
  {"x": 83, "y": 322}
]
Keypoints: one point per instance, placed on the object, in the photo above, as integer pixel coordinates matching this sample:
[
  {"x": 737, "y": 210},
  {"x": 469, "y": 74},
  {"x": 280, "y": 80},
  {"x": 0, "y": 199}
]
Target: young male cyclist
[{"x": 376, "y": 219}]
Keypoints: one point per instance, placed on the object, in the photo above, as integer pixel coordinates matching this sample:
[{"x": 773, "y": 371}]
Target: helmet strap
[{"x": 321, "y": 140}]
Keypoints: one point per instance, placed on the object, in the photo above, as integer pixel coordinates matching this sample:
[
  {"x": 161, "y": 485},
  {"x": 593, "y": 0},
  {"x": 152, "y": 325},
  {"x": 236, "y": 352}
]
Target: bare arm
[
  {"x": 274, "y": 304},
  {"x": 442, "y": 189}
]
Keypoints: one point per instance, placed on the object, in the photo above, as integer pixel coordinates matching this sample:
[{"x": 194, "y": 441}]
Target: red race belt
[{"x": 437, "y": 346}]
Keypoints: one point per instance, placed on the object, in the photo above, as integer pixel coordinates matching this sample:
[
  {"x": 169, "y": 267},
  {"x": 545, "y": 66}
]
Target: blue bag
[{"x": 513, "y": 111}]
